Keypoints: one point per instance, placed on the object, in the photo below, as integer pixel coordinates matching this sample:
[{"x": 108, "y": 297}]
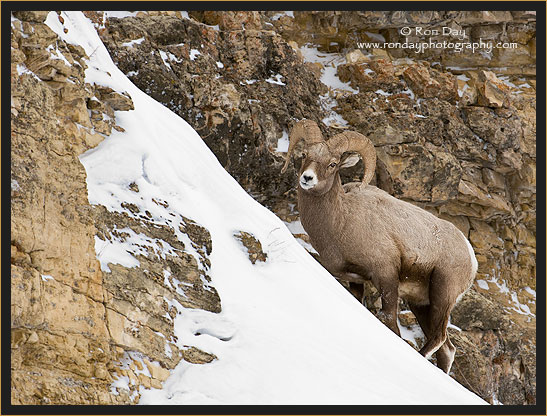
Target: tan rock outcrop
[
  {"x": 61, "y": 344},
  {"x": 74, "y": 327}
]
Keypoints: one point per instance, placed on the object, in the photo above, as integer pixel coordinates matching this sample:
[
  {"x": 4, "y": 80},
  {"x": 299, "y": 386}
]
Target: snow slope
[{"x": 288, "y": 333}]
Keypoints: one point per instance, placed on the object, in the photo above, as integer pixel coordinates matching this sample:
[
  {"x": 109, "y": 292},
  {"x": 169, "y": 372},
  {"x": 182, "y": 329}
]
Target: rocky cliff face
[
  {"x": 454, "y": 134},
  {"x": 218, "y": 79},
  {"x": 80, "y": 334}
]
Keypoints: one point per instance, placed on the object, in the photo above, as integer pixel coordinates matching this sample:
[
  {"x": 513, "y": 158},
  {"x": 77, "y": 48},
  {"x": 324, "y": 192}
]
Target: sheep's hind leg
[
  {"x": 438, "y": 321},
  {"x": 441, "y": 303},
  {"x": 445, "y": 354}
]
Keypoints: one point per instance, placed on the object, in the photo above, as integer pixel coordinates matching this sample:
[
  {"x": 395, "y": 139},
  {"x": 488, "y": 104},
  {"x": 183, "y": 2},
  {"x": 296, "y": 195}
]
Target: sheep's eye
[{"x": 332, "y": 165}]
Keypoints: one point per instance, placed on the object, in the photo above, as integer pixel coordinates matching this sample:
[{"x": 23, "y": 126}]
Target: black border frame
[{"x": 538, "y": 409}]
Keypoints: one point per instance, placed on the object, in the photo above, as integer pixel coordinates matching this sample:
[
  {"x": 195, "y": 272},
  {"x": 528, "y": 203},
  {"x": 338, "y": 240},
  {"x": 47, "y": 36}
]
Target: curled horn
[
  {"x": 306, "y": 130},
  {"x": 351, "y": 141}
]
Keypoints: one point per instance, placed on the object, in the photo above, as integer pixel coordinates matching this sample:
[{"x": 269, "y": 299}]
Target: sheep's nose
[{"x": 308, "y": 179}]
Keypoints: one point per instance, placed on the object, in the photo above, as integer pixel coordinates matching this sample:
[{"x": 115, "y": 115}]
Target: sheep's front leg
[
  {"x": 337, "y": 269},
  {"x": 389, "y": 291},
  {"x": 358, "y": 290}
]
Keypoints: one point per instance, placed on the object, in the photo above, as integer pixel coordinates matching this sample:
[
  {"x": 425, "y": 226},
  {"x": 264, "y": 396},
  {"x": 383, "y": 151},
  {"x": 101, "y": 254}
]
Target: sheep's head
[{"x": 323, "y": 159}]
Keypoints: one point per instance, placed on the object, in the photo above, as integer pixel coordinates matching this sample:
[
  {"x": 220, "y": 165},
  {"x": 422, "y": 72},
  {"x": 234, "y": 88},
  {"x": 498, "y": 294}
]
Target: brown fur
[{"x": 362, "y": 232}]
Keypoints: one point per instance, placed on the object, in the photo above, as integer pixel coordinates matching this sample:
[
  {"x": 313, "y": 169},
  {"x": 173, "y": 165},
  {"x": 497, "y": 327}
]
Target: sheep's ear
[{"x": 349, "y": 160}]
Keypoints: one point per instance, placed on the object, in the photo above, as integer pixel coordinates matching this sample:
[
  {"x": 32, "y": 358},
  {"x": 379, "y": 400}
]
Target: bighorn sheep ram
[{"x": 362, "y": 232}]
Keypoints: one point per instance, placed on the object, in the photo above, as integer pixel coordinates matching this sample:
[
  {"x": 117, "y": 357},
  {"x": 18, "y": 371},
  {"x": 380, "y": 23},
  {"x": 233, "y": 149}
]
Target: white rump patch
[
  {"x": 474, "y": 263},
  {"x": 474, "y": 266}
]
